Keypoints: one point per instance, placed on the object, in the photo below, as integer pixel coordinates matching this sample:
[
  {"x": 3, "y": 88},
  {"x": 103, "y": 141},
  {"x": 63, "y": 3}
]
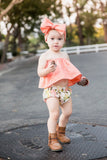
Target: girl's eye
[
  {"x": 52, "y": 38},
  {"x": 59, "y": 38}
]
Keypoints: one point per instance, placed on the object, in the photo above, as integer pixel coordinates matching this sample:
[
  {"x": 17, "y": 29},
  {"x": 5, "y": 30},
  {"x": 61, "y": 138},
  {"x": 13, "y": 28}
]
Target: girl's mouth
[{"x": 55, "y": 46}]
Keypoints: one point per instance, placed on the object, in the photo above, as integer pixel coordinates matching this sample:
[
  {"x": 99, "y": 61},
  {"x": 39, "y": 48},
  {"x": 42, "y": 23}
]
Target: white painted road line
[{"x": 9, "y": 70}]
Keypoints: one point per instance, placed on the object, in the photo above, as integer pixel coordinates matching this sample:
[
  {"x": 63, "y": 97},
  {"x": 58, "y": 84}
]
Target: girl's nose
[{"x": 56, "y": 41}]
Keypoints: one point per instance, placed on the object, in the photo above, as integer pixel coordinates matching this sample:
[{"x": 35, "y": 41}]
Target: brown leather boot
[
  {"x": 53, "y": 143},
  {"x": 61, "y": 135}
]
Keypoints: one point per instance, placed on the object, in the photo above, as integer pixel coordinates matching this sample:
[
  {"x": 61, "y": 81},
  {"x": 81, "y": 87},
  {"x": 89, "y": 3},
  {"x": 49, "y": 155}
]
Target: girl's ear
[{"x": 46, "y": 39}]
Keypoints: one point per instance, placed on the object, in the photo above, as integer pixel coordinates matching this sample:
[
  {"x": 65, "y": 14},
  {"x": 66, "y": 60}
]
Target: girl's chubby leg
[
  {"x": 53, "y": 107},
  {"x": 66, "y": 113},
  {"x": 61, "y": 127}
]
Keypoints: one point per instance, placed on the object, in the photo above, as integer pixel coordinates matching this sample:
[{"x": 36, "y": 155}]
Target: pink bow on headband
[{"x": 47, "y": 25}]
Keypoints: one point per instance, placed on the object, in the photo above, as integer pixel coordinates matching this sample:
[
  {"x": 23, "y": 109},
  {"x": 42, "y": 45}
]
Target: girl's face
[{"x": 55, "y": 40}]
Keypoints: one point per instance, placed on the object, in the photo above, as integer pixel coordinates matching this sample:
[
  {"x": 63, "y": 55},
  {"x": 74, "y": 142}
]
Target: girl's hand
[
  {"x": 83, "y": 82},
  {"x": 52, "y": 67},
  {"x": 53, "y": 62}
]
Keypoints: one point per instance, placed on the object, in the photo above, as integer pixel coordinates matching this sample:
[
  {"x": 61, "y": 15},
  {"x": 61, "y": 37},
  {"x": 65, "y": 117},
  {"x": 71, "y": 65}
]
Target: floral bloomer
[{"x": 62, "y": 93}]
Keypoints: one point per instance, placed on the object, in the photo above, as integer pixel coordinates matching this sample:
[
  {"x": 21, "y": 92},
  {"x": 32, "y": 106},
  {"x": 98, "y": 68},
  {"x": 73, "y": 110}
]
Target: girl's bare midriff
[{"x": 61, "y": 83}]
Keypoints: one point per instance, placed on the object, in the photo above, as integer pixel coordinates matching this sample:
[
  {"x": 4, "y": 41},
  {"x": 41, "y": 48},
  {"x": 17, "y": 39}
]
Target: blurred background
[{"x": 20, "y": 21}]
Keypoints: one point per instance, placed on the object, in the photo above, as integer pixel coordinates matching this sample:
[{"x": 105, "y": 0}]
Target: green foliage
[
  {"x": 33, "y": 44},
  {"x": 99, "y": 34},
  {"x": 88, "y": 20},
  {"x": 71, "y": 36},
  {"x": 28, "y": 14},
  {"x": 2, "y": 37},
  {"x": 42, "y": 42}
]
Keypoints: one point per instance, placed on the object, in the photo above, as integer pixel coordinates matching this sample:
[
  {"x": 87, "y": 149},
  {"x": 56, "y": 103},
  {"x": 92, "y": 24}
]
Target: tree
[
  {"x": 104, "y": 18},
  {"x": 101, "y": 7},
  {"x": 3, "y": 12},
  {"x": 71, "y": 37},
  {"x": 78, "y": 7},
  {"x": 69, "y": 28},
  {"x": 9, "y": 7},
  {"x": 88, "y": 20},
  {"x": 30, "y": 17}
]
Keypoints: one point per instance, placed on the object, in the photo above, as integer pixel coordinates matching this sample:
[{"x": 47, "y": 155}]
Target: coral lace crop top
[{"x": 64, "y": 70}]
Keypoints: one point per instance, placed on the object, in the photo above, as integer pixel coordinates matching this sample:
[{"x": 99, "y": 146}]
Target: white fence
[{"x": 81, "y": 49}]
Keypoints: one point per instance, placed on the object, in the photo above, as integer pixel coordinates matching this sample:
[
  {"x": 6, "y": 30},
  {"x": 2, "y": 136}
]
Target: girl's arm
[{"x": 42, "y": 71}]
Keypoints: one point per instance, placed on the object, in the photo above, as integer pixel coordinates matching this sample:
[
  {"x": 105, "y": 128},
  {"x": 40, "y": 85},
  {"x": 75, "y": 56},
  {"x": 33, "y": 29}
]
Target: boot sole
[
  {"x": 56, "y": 150},
  {"x": 64, "y": 142}
]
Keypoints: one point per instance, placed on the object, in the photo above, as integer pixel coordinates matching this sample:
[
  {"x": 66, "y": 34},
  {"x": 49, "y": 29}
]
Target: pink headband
[{"x": 47, "y": 25}]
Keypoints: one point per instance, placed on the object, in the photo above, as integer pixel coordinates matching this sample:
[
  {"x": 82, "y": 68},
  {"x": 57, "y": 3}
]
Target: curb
[{"x": 8, "y": 67}]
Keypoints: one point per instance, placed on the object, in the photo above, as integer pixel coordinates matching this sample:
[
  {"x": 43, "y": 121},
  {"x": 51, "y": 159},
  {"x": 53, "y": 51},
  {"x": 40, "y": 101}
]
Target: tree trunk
[
  {"x": 5, "y": 48},
  {"x": 17, "y": 47},
  {"x": 105, "y": 32},
  {"x": 103, "y": 9},
  {"x": 79, "y": 29},
  {"x": 19, "y": 40},
  {"x": 78, "y": 24},
  {"x": 14, "y": 45},
  {"x": 0, "y": 36}
]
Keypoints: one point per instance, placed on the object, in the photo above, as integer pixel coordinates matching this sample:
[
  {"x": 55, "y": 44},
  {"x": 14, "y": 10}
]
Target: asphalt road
[{"x": 21, "y": 101}]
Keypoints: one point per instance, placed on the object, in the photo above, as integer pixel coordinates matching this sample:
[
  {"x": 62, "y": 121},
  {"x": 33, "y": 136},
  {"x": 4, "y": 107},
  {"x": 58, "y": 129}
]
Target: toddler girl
[{"x": 57, "y": 73}]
